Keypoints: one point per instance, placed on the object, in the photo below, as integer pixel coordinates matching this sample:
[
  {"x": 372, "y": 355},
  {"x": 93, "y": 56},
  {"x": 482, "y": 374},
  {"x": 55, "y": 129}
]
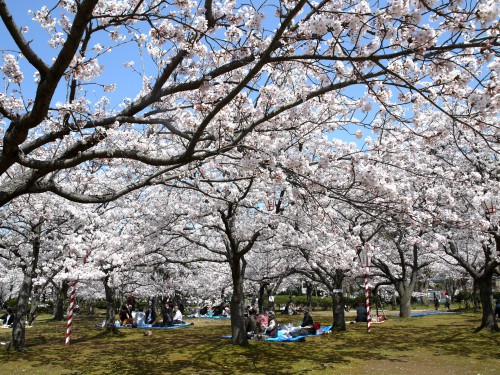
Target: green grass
[{"x": 440, "y": 344}]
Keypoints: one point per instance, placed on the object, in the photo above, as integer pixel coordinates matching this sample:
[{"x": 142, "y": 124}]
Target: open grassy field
[{"x": 439, "y": 344}]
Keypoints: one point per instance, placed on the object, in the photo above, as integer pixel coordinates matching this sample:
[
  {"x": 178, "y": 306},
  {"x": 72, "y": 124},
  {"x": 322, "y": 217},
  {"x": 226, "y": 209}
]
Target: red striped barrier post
[
  {"x": 70, "y": 314},
  {"x": 364, "y": 261},
  {"x": 368, "y": 315}
]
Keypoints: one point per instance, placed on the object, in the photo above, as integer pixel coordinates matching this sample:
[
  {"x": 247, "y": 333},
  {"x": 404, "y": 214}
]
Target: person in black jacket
[
  {"x": 150, "y": 315},
  {"x": 361, "y": 313},
  {"x": 307, "y": 326}
]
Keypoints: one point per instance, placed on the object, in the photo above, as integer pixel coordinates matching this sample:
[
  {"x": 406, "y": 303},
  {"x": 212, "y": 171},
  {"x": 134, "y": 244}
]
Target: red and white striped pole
[
  {"x": 367, "y": 295},
  {"x": 70, "y": 313}
]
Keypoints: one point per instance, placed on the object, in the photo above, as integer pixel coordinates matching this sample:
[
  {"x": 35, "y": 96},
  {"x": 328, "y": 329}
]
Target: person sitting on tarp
[
  {"x": 204, "y": 310},
  {"x": 150, "y": 315},
  {"x": 361, "y": 313},
  {"x": 272, "y": 327},
  {"x": 252, "y": 326},
  {"x": 263, "y": 320},
  {"x": 217, "y": 310},
  {"x": 8, "y": 318},
  {"x": 177, "y": 316},
  {"x": 307, "y": 326},
  {"x": 126, "y": 315}
]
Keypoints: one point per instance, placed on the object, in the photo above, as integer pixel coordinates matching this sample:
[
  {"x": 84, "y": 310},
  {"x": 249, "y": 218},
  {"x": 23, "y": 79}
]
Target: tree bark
[
  {"x": 19, "y": 327},
  {"x": 262, "y": 291},
  {"x": 110, "y": 307},
  {"x": 239, "y": 335},
  {"x": 404, "y": 302},
  {"x": 486, "y": 295},
  {"x": 59, "y": 302},
  {"x": 309, "y": 290},
  {"x": 338, "y": 312},
  {"x": 476, "y": 298}
]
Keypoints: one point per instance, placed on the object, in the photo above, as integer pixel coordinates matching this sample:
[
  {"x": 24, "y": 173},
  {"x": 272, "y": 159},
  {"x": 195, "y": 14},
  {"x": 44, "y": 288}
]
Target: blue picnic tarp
[
  {"x": 428, "y": 313},
  {"x": 148, "y": 326},
  {"x": 284, "y": 337},
  {"x": 207, "y": 316}
]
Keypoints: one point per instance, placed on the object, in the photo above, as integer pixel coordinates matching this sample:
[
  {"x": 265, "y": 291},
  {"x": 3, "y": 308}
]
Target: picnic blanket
[
  {"x": 148, "y": 326},
  {"x": 284, "y": 337},
  {"x": 427, "y": 313},
  {"x": 208, "y": 316}
]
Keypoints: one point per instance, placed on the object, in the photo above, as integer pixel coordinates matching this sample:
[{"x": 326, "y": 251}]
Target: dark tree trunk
[
  {"x": 239, "y": 335},
  {"x": 486, "y": 295},
  {"x": 338, "y": 312},
  {"x": 309, "y": 290},
  {"x": 262, "y": 291},
  {"x": 33, "y": 311},
  {"x": 425, "y": 298},
  {"x": 91, "y": 308},
  {"x": 110, "y": 307},
  {"x": 34, "y": 305},
  {"x": 404, "y": 302},
  {"x": 476, "y": 299},
  {"x": 61, "y": 294},
  {"x": 19, "y": 326}
]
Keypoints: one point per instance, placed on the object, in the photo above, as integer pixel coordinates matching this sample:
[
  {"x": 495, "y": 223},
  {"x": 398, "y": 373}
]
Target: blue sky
[{"x": 128, "y": 83}]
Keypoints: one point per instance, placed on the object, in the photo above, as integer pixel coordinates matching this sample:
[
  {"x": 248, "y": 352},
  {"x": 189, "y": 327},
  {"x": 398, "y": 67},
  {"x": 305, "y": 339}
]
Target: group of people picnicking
[
  {"x": 132, "y": 317},
  {"x": 257, "y": 325},
  {"x": 212, "y": 311}
]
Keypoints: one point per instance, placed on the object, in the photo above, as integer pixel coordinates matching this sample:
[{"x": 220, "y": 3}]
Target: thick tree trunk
[
  {"x": 309, "y": 291},
  {"x": 476, "y": 298},
  {"x": 425, "y": 298},
  {"x": 33, "y": 311},
  {"x": 110, "y": 307},
  {"x": 239, "y": 335},
  {"x": 486, "y": 295},
  {"x": 405, "y": 303},
  {"x": 262, "y": 291},
  {"x": 338, "y": 312},
  {"x": 19, "y": 327},
  {"x": 59, "y": 302}
]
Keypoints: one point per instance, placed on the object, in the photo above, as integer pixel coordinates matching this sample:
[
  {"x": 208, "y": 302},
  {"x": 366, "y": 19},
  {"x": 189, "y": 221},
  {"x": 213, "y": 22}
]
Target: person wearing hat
[{"x": 272, "y": 327}]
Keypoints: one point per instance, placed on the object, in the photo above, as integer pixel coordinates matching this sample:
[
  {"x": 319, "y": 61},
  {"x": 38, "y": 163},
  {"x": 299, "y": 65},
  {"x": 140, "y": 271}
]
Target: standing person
[
  {"x": 436, "y": 301},
  {"x": 447, "y": 303},
  {"x": 497, "y": 308}
]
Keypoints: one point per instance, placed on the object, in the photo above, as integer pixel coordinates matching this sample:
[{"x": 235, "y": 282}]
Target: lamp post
[{"x": 364, "y": 260}]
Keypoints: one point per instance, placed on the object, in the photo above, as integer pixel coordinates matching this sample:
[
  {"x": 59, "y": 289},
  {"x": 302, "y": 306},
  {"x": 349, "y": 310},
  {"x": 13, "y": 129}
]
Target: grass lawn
[{"x": 438, "y": 344}]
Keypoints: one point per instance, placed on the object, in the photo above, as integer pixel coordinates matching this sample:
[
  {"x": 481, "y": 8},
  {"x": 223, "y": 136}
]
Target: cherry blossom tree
[
  {"x": 210, "y": 75},
  {"x": 38, "y": 236}
]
